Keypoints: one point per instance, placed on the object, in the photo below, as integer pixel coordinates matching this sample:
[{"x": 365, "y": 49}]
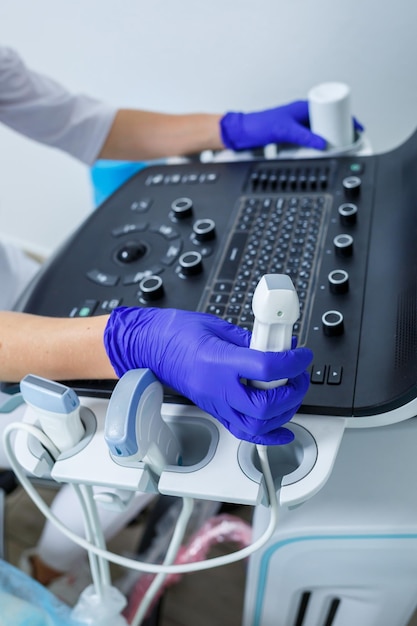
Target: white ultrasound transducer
[{"x": 276, "y": 308}]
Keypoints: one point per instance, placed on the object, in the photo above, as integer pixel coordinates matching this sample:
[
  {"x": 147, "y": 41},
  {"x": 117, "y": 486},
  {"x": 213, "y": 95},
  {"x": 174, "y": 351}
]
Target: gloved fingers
[
  {"x": 228, "y": 332},
  {"x": 277, "y": 437},
  {"x": 259, "y": 425},
  {"x": 302, "y": 136},
  {"x": 298, "y": 127},
  {"x": 267, "y": 366},
  {"x": 234, "y": 334},
  {"x": 258, "y": 406},
  {"x": 298, "y": 110}
]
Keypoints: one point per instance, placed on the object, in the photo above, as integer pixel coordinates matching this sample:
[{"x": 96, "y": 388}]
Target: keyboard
[{"x": 273, "y": 235}]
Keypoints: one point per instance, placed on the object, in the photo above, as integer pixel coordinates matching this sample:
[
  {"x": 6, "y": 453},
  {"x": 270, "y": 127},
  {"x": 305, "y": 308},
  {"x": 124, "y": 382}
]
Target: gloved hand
[
  {"x": 204, "y": 358},
  {"x": 284, "y": 124}
]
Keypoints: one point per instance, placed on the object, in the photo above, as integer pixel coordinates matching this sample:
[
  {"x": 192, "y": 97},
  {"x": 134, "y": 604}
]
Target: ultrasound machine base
[
  {"x": 348, "y": 555},
  {"x": 345, "y": 549}
]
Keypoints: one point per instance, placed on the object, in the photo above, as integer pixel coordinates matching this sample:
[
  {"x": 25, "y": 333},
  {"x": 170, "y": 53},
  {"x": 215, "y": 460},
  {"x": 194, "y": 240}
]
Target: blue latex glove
[
  {"x": 285, "y": 124},
  {"x": 204, "y": 358}
]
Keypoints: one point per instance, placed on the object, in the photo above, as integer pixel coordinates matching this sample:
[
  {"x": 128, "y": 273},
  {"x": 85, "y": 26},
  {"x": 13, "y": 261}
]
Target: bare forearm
[
  {"x": 137, "y": 135},
  {"x": 57, "y": 348}
]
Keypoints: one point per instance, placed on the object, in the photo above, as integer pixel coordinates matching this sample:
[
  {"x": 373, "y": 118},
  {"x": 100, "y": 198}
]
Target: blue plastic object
[
  {"x": 107, "y": 176},
  {"x": 24, "y": 602}
]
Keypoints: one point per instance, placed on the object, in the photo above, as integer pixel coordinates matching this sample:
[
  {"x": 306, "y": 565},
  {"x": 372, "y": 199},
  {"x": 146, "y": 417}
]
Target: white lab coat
[
  {"x": 41, "y": 109},
  {"x": 16, "y": 271}
]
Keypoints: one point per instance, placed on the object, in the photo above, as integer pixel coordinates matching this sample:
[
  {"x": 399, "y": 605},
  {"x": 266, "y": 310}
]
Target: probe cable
[
  {"x": 99, "y": 566},
  {"x": 172, "y": 551},
  {"x": 125, "y": 561}
]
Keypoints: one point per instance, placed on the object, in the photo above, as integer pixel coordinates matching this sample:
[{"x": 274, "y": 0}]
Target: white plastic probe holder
[
  {"x": 89, "y": 462},
  {"x": 33, "y": 456},
  {"x": 215, "y": 465}
]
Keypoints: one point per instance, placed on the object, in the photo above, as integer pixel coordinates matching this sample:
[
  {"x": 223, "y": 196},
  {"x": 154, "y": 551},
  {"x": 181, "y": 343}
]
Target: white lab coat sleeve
[
  {"x": 40, "y": 108},
  {"x": 16, "y": 271}
]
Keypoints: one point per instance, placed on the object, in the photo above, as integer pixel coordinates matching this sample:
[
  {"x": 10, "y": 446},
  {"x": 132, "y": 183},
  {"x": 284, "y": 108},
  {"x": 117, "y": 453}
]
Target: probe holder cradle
[{"x": 208, "y": 450}]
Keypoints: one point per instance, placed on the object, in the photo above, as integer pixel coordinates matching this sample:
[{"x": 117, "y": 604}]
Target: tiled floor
[{"x": 211, "y": 598}]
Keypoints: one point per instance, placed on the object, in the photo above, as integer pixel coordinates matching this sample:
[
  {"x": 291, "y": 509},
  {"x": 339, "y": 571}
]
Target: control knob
[
  {"x": 204, "y": 230},
  {"x": 190, "y": 263},
  {"x": 182, "y": 208},
  {"x": 332, "y": 323},
  {"x": 338, "y": 281},
  {"x": 343, "y": 245},
  {"x": 151, "y": 288},
  {"x": 348, "y": 213},
  {"x": 352, "y": 186}
]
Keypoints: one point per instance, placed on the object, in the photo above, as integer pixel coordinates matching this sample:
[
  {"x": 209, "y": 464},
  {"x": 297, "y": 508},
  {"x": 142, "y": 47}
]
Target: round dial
[
  {"x": 182, "y": 208},
  {"x": 191, "y": 263},
  {"x": 332, "y": 323},
  {"x": 151, "y": 288}
]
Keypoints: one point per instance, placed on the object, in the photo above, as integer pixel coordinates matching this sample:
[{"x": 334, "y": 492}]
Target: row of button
[
  {"x": 89, "y": 307},
  {"x": 175, "y": 179},
  {"x": 330, "y": 374}
]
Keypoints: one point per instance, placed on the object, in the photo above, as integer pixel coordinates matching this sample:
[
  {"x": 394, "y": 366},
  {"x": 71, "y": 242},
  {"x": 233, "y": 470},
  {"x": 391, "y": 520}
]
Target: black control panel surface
[{"x": 199, "y": 237}]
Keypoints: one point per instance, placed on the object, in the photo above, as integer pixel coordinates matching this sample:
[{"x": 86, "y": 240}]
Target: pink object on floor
[{"x": 216, "y": 530}]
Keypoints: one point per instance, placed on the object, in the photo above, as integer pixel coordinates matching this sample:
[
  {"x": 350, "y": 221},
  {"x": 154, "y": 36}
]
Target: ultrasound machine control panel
[{"x": 200, "y": 236}]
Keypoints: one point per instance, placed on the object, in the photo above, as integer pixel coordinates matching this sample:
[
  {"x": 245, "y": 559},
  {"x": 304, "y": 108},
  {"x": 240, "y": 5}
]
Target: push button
[
  {"x": 142, "y": 205},
  {"x": 334, "y": 376},
  {"x": 85, "y": 310},
  {"x": 317, "y": 374},
  {"x": 126, "y": 229},
  {"x": 167, "y": 231},
  {"x": 101, "y": 278},
  {"x": 172, "y": 253},
  {"x": 109, "y": 305}
]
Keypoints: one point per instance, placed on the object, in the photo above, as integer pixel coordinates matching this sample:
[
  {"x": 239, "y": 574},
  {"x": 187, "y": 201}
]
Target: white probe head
[{"x": 275, "y": 300}]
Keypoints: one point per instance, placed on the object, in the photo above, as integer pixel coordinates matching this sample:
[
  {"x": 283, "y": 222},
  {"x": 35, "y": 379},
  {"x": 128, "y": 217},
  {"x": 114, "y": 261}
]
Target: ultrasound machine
[{"x": 200, "y": 236}]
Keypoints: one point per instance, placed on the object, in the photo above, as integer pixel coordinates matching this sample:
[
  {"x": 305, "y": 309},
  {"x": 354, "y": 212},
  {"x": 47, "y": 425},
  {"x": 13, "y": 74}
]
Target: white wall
[{"x": 188, "y": 55}]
